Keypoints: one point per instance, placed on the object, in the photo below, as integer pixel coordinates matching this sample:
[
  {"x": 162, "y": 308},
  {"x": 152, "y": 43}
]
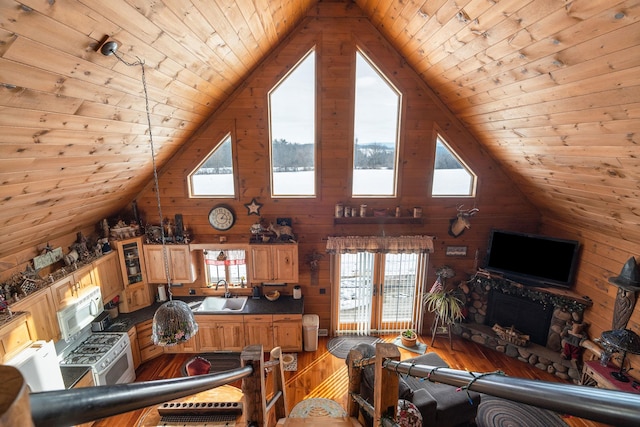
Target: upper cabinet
[
  {"x": 41, "y": 310},
  {"x": 106, "y": 271},
  {"x": 72, "y": 286},
  {"x": 132, "y": 263},
  {"x": 179, "y": 258},
  {"x": 274, "y": 263},
  {"x": 136, "y": 293}
]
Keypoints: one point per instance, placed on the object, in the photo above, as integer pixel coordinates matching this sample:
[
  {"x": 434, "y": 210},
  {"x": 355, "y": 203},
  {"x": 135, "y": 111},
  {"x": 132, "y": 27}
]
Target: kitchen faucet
[{"x": 227, "y": 294}]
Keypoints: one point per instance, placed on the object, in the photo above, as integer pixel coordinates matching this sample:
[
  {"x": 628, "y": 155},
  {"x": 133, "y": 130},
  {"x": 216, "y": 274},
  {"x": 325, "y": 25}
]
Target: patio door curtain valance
[{"x": 380, "y": 244}]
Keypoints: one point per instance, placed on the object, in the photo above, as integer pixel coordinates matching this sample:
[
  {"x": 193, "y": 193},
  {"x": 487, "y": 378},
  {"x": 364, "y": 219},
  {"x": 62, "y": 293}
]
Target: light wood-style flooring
[{"x": 320, "y": 374}]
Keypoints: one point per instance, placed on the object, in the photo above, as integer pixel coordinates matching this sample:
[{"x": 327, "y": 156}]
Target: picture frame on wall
[{"x": 456, "y": 251}]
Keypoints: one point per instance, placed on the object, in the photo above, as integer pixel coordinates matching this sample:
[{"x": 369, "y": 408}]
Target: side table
[{"x": 594, "y": 374}]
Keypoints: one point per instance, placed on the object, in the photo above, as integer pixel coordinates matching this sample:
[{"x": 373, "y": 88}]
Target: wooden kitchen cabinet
[
  {"x": 84, "y": 277},
  {"x": 148, "y": 350},
  {"x": 135, "y": 297},
  {"x": 287, "y": 331},
  {"x": 71, "y": 286},
  {"x": 220, "y": 333},
  {"x": 15, "y": 336},
  {"x": 180, "y": 259},
  {"x": 135, "y": 348},
  {"x": 274, "y": 263},
  {"x": 41, "y": 310},
  {"x": 132, "y": 262},
  {"x": 63, "y": 291},
  {"x": 258, "y": 329},
  {"x": 107, "y": 275},
  {"x": 85, "y": 381}
]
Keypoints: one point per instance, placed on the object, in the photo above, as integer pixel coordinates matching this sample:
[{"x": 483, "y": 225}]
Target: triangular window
[
  {"x": 451, "y": 177},
  {"x": 214, "y": 176}
]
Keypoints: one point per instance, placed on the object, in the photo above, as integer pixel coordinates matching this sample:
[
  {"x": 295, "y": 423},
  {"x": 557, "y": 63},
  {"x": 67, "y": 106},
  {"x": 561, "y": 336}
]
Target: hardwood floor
[{"x": 320, "y": 374}]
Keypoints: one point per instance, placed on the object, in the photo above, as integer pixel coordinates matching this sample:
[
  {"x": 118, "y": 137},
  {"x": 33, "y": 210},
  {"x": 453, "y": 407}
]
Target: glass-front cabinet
[
  {"x": 136, "y": 294},
  {"x": 131, "y": 261}
]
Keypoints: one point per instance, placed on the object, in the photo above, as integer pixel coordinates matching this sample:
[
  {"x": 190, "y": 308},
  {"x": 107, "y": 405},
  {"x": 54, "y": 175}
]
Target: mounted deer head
[{"x": 461, "y": 222}]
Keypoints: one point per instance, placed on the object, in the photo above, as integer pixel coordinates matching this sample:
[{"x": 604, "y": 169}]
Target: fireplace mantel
[{"x": 558, "y": 297}]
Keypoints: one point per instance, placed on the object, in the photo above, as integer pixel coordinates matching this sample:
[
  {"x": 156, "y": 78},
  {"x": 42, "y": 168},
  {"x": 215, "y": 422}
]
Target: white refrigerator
[{"x": 39, "y": 366}]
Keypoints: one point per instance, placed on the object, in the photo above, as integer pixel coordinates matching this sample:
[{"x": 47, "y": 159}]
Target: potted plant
[
  {"x": 408, "y": 338},
  {"x": 442, "y": 302}
]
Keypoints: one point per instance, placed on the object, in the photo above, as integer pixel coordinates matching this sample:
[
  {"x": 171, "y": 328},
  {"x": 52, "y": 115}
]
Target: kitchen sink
[{"x": 221, "y": 305}]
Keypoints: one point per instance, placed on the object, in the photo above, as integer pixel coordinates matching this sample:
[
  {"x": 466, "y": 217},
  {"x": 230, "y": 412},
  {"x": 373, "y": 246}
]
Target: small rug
[
  {"x": 496, "y": 412},
  {"x": 317, "y": 407},
  {"x": 340, "y": 346},
  {"x": 290, "y": 361},
  {"x": 420, "y": 348},
  {"x": 220, "y": 362}
]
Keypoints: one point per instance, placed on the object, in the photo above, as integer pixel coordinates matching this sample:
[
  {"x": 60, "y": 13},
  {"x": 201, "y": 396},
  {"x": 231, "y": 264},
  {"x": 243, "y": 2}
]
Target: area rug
[
  {"x": 420, "y": 348},
  {"x": 496, "y": 412},
  {"x": 340, "y": 346},
  {"x": 219, "y": 361}
]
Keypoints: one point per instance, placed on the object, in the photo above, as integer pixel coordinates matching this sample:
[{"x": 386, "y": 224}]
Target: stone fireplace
[{"x": 541, "y": 313}]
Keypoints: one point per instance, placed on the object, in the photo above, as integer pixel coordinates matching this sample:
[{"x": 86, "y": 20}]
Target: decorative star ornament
[{"x": 253, "y": 208}]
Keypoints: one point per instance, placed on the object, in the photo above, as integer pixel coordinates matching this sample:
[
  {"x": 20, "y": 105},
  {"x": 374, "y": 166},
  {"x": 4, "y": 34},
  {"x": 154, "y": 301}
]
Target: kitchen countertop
[{"x": 283, "y": 305}]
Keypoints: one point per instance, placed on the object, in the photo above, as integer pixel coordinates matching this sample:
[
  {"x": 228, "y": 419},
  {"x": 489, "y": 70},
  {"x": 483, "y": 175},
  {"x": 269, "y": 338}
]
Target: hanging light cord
[{"x": 153, "y": 162}]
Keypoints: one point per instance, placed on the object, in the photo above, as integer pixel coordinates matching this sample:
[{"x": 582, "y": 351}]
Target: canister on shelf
[
  {"x": 339, "y": 213},
  {"x": 363, "y": 210}
]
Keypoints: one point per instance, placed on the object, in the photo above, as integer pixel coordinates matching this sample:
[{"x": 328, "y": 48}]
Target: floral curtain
[{"x": 380, "y": 244}]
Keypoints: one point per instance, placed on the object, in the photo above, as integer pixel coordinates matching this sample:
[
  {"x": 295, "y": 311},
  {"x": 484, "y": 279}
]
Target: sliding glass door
[{"x": 378, "y": 293}]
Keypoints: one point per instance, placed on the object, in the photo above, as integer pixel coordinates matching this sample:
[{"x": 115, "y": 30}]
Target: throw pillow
[{"x": 408, "y": 414}]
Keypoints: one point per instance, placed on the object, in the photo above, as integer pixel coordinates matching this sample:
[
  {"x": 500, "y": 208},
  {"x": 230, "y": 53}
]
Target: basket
[
  {"x": 272, "y": 296},
  {"x": 511, "y": 335}
]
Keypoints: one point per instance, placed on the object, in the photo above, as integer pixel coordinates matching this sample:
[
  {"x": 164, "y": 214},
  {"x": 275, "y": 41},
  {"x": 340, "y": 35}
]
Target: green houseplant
[
  {"x": 442, "y": 302},
  {"x": 408, "y": 337}
]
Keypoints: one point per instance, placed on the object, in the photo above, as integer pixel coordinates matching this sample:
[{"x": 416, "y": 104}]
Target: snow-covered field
[{"x": 369, "y": 182}]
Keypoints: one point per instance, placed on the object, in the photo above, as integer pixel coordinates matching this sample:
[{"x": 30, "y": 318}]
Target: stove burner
[{"x": 92, "y": 349}]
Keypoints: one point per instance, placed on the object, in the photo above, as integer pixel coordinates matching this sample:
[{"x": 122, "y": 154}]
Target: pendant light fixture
[{"x": 173, "y": 322}]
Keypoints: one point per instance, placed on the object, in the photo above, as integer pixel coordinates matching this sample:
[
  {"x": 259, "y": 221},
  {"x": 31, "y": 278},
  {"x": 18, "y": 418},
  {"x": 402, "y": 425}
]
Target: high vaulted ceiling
[{"x": 551, "y": 88}]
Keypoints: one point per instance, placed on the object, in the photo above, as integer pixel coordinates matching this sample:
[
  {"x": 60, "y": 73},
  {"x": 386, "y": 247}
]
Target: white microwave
[{"x": 80, "y": 313}]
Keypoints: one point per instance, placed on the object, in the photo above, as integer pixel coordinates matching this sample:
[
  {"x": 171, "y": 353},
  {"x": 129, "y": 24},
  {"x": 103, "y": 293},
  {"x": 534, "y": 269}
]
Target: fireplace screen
[{"x": 527, "y": 316}]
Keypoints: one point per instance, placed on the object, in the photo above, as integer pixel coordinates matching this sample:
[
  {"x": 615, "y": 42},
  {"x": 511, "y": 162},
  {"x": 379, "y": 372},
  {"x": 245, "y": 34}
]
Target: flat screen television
[{"x": 532, "y": 259}]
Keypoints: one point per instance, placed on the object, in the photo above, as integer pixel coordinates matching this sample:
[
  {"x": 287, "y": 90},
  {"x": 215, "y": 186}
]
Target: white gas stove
[{"x": 108, "y": 354}]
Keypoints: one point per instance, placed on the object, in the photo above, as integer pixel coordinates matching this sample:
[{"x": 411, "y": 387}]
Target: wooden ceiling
[{"x": 551, "y": 88}]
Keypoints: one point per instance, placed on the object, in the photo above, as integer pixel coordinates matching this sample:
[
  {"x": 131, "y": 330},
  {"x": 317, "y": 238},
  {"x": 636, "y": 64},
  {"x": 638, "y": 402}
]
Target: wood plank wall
[
  {"x": 335, "y": 35},
  {"x": 602, "y": 257}
]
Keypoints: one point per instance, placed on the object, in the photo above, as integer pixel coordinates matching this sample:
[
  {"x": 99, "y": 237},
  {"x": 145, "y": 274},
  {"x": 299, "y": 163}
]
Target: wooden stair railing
[
  {"x": 69, "y": 407},
  {"x": 605, "y": 406},
  {"x": 259, "y": 408},
  {"x": 386, "y": 383}
]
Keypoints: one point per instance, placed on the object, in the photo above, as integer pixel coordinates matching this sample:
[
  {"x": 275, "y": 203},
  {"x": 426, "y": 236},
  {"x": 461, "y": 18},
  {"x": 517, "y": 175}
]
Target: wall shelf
[{"x": 377, "y": 220}]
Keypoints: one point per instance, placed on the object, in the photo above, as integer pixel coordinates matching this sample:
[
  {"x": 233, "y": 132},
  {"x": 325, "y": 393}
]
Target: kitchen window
[{"x": 225, "y": 264}]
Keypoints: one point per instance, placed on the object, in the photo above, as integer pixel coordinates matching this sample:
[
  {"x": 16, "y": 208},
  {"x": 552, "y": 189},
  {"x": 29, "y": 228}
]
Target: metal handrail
[
  {"x": 81, "y": 405},
  {"x": 612, "y": 407}
]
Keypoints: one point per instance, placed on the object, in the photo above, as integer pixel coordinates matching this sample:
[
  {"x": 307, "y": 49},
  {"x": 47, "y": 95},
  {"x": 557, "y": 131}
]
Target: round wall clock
[{"x": 221, "y": 217}]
